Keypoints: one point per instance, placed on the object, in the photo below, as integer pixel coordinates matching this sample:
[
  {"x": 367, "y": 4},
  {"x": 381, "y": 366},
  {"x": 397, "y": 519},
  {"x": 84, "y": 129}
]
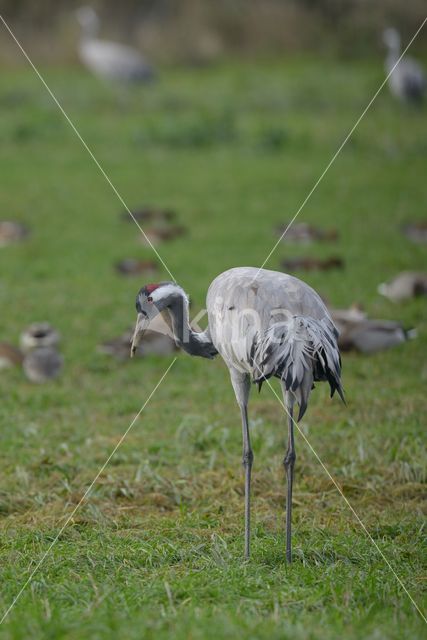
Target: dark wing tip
[{"x": 302, "y": 410}]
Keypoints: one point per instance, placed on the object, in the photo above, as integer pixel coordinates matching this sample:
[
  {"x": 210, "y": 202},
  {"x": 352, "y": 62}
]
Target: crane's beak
[{"x": 142, "y": 323}]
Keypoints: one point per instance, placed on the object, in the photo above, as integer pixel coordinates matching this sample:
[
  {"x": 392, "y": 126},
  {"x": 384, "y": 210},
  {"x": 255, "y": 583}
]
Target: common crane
[{"x": 263, "y": 324}]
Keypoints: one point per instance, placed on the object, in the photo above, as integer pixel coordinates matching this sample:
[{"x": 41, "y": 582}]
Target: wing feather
[{"x": 305, "y": 350}]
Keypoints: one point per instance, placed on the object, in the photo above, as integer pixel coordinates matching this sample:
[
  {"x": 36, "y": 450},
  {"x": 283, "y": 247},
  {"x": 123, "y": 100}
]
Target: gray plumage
[
  {"x": 109, "y": 60},
  {"x": 406, "y": 285},
  {"x": 263, "y": 324},
  {"x": 291, "y": 335},
  {"x": 359, "y": 333},
  {"x": 39, "y": 334},
  {"x": 407, "y": 81},
  {"x": 42, "y": 361},
  {"x": 42, "y": 364}
]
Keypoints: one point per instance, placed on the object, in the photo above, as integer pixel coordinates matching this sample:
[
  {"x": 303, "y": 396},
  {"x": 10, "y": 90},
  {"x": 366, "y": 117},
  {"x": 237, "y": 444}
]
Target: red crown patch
[{"x": 151, "y": 287}]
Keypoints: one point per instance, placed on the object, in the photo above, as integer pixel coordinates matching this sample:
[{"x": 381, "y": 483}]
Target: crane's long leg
[
  {"x": 241, "y": 385},
  {"x": 289, "y": 463},
  {"x": 248, "y": 457}
]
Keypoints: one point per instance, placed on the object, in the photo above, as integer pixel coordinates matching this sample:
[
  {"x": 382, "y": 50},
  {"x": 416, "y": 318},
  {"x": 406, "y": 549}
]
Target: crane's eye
[{"x": 149, "y": 299}]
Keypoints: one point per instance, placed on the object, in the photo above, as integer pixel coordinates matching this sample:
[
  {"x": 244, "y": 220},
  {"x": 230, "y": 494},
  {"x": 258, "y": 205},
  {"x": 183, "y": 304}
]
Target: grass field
[{"x": 156, "y": 551}]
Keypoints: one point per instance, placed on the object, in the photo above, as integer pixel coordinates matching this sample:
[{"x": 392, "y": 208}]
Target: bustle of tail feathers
[{"x": 300, "y": 351}]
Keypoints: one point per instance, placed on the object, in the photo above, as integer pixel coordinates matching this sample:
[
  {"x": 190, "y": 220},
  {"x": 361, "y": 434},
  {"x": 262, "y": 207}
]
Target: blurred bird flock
[{"x": 213, "y": 136}]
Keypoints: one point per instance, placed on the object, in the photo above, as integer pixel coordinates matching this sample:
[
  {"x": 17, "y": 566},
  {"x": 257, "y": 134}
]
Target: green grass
[{"x": 156, "y": 551}]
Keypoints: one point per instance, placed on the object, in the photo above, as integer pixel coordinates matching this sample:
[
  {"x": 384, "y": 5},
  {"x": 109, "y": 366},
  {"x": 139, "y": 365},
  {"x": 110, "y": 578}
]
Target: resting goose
[
  {"x": 42, "y": 361},
  {"x": 359, "y": 333},
  {"x": 406, "y": 285}
]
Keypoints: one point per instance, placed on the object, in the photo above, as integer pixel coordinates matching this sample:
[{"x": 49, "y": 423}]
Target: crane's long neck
[
  {"x": 89, "y": 32},
  {"x": 393, "y": 56},
  {"x": 89, "y": 23},
  {"x": 193, "y": 342},
  {"x": 393, "y": 52}
]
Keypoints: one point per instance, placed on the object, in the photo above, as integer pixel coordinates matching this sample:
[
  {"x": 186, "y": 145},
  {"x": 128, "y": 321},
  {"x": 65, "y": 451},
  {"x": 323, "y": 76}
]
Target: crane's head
[
  {"x": 88, "y": 20},
  {"x": 391, "y": 39},
  {"x": 150, "y": 301}
]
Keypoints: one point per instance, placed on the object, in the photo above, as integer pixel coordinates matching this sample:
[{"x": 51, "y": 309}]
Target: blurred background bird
[
  {"x": 357, "y": 332},
  {"x": 109, "y": 60},
  {"x": 42, "y": 361},
  {"x": 407, "y": 81},
  {"x": 405, "y": 285}
]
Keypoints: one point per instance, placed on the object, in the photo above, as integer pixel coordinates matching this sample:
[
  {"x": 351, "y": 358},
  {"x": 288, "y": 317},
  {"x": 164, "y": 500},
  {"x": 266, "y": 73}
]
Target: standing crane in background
[
  {"x": 263, "y": 324},
  {"x": 109, "y": 60},
  {"x": 407, "y": 81}
]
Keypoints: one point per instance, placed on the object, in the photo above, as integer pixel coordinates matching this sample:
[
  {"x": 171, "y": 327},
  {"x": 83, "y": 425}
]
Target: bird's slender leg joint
[
  {"x": 289, "y": 463},
  {"x": 247, "y": 460}
]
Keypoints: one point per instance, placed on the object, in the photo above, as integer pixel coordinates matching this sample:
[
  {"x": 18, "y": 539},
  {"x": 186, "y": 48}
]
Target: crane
[
  {"x": 109, "y": 60},
  {"x": 264, "y": 324},
  {"x": 407, "y": 80}
]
